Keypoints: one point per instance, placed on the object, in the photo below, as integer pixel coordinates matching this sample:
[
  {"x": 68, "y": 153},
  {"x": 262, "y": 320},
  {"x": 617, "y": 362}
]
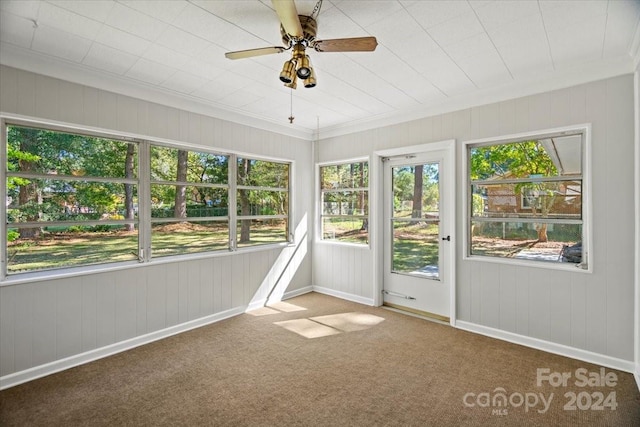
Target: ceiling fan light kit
[{"x": 299, "y": 33}]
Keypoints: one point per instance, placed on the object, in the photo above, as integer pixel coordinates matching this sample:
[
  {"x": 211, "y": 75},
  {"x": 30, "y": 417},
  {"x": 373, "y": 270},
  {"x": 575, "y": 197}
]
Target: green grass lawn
[
  {"x": 71, "y": 249},
  {"x": 415, "y": 246}
]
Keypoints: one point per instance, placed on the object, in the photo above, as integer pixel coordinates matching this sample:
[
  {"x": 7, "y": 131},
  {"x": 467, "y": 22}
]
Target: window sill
[{"x": 559, "y": 266}]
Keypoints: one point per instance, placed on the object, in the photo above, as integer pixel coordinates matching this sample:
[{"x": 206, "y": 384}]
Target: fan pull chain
[{"x": 291, "y": 111}]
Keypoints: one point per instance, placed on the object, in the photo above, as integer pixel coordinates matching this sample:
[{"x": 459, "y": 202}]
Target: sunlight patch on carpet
[
  {"x": 286, "y": 307},
  {"x": 262, "y": 311},
  {"x": 332, "y": 324},
  {"x": 307, "y": 328},
  {"x": 349, "y": 322}
]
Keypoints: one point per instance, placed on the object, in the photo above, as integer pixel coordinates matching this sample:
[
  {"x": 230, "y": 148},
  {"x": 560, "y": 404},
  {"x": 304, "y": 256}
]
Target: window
[
  {"x": 262, "y": 202},
  {"x": 189, "y": 201},
  {"x": 77, "y": 199},
  {"x": 344, "y": 195},
  {"x": 527, "y": 198},
  {"x": 71, "y": 199}
]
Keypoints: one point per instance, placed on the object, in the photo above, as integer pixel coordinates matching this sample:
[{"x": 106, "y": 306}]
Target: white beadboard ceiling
[{"x": 432, "y": 56}]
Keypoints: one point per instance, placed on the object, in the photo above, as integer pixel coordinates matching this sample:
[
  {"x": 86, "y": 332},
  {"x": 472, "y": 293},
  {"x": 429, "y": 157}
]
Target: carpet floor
[{"x": 315, "y": 360}]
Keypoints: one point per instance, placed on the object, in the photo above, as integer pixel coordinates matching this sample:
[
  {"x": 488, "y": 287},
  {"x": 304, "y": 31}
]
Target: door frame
[{"x": 376, "y": 217}]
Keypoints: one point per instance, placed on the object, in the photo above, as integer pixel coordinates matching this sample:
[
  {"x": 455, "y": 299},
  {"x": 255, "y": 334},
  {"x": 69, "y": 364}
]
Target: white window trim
[
  {"x": 144, "y": 239},
  {"x": 587, "y": 208},
  {"x": 318, "y": 197}
]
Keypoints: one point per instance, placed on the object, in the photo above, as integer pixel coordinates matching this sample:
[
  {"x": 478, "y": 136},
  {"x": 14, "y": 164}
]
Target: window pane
[
  {"x": 51, "y": 200},
  {"x": 188, "y": 237},
  {"x": 345, "y": 203},
  {"x": 560, "y": 199},
  {"x": 349, "y": 175},
  {"x": 259, "y": 202},
  {"x": 261, "y": 231},
  {"x": 537, "y": 158},
  {"x": 260, "y": 173},
  {"x": 520, "y": 240},
  {"x": 345, "y": 229},
  {"x": 57, "y": 247},
  {"x": 416, "y": 248},
  {"x": 171, "y": 164},
  {"x": 57, "y": 153},
  {"x": 416, "y": 199},
  {"x": 345, "y": 210},
  {"x": 198, "y": 201}
]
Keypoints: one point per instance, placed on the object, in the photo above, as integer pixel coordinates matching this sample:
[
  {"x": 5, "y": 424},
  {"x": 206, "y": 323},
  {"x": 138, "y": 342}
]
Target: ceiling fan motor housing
[{"x": 309, "y": 31}]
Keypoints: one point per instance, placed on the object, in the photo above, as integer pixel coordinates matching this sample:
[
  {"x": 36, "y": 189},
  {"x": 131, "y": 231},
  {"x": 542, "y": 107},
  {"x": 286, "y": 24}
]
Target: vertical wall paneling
[
  {"x": 105, "y": 310},
  {"x": 140, "y": 286},
  {"x": 70, "y": 104},
  {"x": 68, "y": 318},
  {"x": 578, "y": 321},
  {"x": 23, "y": 326},
  {"x": 26, "y": 94},
  {"x": 226, "y": 281},
  {"x": 490, "y": 296},
  {"x": 194, "y": 286},
  {"x": 508, "y": 276},
  {"x": 89, "y": 106},
  {"x": 172, "y": 274},
  {"x": 156, "y": 299},
  {"x": 7, "y": 329},
  {"x": 47, "y": 97},
  {"x": 44, "y": 322},
  {"x": 216, "y": 274},
  {"x": 237, "y": 279},
  {"x": 125, "y": 302},
  {"x": 560, "y": 307},
  {"x": 206, "y": 292},
  {"x": 539, "y": 298},
  {"x": 9, "y": 89}
]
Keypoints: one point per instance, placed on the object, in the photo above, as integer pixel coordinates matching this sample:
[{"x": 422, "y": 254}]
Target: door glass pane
[
  {"x": 415, "y": 222},
  {"x": 416, "y": 248}
]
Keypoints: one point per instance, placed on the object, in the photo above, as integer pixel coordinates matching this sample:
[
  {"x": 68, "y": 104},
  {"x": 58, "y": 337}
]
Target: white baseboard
[
  {"x": 99, "y": 353},
  {"x": 297, "y": 292},
  {"x": 550, "y": 347},
  {"x": 343, "y": 295},
  {"x": 637, "y": 375}
]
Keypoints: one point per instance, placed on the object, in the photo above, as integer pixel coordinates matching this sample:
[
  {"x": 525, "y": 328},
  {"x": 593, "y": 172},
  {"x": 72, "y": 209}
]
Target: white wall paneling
[
  {"x": 55, "y": 323},
  {"x": 584, "y": 315}
]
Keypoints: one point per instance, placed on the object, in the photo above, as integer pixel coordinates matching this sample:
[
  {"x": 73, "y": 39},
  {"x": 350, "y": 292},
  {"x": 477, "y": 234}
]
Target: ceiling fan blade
[
  {"x": 355, "y": 44},
  {"x": 288, "y": 14},
  {"x": 241, "y": 54}
]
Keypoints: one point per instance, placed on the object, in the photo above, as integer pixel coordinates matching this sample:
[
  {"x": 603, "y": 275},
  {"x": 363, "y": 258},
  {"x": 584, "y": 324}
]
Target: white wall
[
  {"x": 589, "y": 316},
  {"x": 52, "y": 324}
]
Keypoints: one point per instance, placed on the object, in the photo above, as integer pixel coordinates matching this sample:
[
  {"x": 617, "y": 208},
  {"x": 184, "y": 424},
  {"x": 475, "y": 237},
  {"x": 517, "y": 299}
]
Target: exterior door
[{"x": 417, "y": 262}]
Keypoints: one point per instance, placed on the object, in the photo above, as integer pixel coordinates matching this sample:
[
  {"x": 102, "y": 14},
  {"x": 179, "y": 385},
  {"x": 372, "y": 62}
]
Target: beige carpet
[{"x": 320, "y": 361}]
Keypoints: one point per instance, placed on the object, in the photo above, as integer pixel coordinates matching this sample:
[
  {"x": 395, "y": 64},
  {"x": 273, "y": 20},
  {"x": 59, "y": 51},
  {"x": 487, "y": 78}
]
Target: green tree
[{"x": 523, "y": 159}]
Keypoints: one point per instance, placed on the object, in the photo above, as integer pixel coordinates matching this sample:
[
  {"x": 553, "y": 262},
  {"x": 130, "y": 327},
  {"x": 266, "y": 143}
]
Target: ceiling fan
[{"x": 299, "y": 33}]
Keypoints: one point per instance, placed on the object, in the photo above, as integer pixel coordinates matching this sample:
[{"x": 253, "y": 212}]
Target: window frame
[
  {"x": 235, "y": 217},
  {"x": 148, "y": 253},
  {"x": 586, "y": 265},
  {"x": 319, "y": 200},
  {"x": 143, "y": 219}
]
